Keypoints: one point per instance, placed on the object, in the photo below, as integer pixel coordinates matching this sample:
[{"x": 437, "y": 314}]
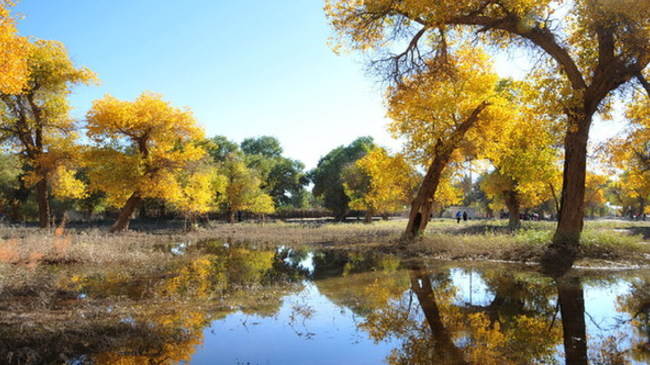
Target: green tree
[
  {"x": 10, "y": 186},
  {"x": 266, "y": 146},
  {"x": 282, "y": 178},
  {"x": 219, "y": 147},
  {"x": 327, "y": 176}
]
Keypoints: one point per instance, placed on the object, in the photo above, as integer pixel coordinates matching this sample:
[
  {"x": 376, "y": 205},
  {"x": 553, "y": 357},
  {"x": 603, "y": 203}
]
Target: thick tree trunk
[
  {"x": 122, "y": 222},
  {"x": 421, "y": 205},
  {"x": 231, "y": 216},
  {"x": 444, "y": 347},
  {"x": 512, "y": 202},
  {"x": 571, "y": 215},
  {"x": 572, "y": 309},
  {"x": 42, "y": 198}
]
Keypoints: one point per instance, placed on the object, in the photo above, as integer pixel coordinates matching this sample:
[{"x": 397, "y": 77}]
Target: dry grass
[{"x": 445, "y": 239}]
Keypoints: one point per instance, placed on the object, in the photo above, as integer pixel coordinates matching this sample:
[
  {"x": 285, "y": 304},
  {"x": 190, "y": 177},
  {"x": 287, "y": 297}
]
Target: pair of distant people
[{"x": 460, "y": 216}]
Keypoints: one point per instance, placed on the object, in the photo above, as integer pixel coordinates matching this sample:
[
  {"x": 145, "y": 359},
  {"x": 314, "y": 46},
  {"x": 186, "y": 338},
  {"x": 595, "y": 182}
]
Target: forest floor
[{"x": 604, "y": 242}]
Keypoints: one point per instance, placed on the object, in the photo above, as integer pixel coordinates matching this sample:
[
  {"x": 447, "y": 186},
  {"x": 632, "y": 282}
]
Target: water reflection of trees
[
  {"x": 508, "y": 330},
  {"x": 524, "y": 319},
  {"x": 152, "y": 315},
  {"x": 158, "y": 315},
  {"x": 636, "y": 305}
]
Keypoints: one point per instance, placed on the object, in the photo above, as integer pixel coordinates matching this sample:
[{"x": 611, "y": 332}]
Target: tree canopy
[
  {"x": 142, "y": 148},
  {"x": 36, "y": 122},
  {"x": 327, "y": 176}
]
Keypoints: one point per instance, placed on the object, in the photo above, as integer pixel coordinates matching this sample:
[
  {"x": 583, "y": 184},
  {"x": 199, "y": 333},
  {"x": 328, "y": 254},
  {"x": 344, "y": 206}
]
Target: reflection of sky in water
[
  {"x": 308, "y": 262},
  {"x": 471, "y": 288},
  {"x": 602, "y": 318},
  {"x": 329, "y": 336}
]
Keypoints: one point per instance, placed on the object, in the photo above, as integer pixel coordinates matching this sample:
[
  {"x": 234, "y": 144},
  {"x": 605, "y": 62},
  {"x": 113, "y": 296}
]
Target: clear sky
[{"x": 246, "y": 68}]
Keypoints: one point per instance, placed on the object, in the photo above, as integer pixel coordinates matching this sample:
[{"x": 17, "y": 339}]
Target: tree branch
[
  {"x": 643, "y": 82},
  {"x": 541, "y": 37}
]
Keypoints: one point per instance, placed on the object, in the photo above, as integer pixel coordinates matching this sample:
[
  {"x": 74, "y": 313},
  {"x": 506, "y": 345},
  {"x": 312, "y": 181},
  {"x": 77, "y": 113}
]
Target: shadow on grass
[
  {"x": 644, "y": 231},
  {"x": 478, "y": 229}
]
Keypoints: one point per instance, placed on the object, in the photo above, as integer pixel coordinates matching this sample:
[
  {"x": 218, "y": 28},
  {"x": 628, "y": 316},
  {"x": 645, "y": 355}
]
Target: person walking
[
  {"x": 464, "y": 216},
  {"x": 458, "y": 216}
]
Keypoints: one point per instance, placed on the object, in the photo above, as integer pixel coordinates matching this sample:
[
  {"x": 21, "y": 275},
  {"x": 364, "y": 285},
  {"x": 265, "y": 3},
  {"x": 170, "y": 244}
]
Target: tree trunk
[
  {"x": 556, "y": 201},
  {"x": 421, "y": 205},
  {"x": 122, "y": 222},
  {"x": 571, "y": 215},
  {"x": 572, "y": 309},
  {"x": 42, "y": 197},
  {"x": 642, "y": 208},
  {"x": 512, "y": 202},
  {"x": 368, "y": 216},
  {"x": 231, "y": 216}
]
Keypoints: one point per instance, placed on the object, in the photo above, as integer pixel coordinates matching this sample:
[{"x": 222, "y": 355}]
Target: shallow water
[{"x": 237, "y": 305}]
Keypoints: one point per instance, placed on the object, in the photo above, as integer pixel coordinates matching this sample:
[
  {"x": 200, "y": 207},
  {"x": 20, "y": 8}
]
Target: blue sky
[{"x": 246, "y": 68}]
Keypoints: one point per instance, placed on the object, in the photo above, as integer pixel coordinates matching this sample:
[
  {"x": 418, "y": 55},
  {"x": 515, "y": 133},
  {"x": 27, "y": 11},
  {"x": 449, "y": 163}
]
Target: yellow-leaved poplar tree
[
  {"x": 380, "y": 183},
  {"x": 144, "y": 149},
  {"x": 525, "y": 163},
  {"x": 631, "y": 154},
  {"x": 36, "y": 123},
  {"x": 242, "y": 189},
  {"x": 595, "y": 191},
  {"x": 437, "y": 112}
]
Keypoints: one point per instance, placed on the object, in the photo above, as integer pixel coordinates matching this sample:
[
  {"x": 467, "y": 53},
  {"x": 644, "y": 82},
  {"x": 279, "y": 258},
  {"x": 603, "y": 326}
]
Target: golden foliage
[
  {"x": 146, "y": 147},
  {"x": 390, "y": 183},
  {"x": 13, "y": 54},
  {"x": 242, "y": 191},
  {"x": 37, "y": 122},
  {"x": 429, "y": 109}
]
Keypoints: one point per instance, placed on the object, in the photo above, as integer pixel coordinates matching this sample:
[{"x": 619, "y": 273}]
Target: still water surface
[{"x": 237, "y": 305}]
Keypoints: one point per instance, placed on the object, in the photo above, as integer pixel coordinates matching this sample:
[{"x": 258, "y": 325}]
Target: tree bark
[
  {"x": 572, "y": 309},
  {"x": 231, "y": 216},
  {"x": 421, "y": 205},
  {"x": 42, "y": 198},
  {"x": 122, "y": 222},
  {"x": 571, "y": 214},
  {"x": 512, "y": 202}
]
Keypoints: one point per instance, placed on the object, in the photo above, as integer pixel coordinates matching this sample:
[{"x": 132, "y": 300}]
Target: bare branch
[{"x": 541, "y": 37}]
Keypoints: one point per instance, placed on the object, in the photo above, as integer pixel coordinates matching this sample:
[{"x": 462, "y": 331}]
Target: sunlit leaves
[
  {"x": 146, "y": 147},
  {"x": 36, "y": 122},
  {"x": 379, "y": 182},
  {"x": 241, "y": 188},
  {"x": 429, "y": 109},
  {"x": 13, "y": 54}
]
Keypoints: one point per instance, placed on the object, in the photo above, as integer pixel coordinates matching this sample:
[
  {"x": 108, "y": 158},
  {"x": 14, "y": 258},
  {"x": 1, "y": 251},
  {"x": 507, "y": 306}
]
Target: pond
[{"x": 223, "y": 304}]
